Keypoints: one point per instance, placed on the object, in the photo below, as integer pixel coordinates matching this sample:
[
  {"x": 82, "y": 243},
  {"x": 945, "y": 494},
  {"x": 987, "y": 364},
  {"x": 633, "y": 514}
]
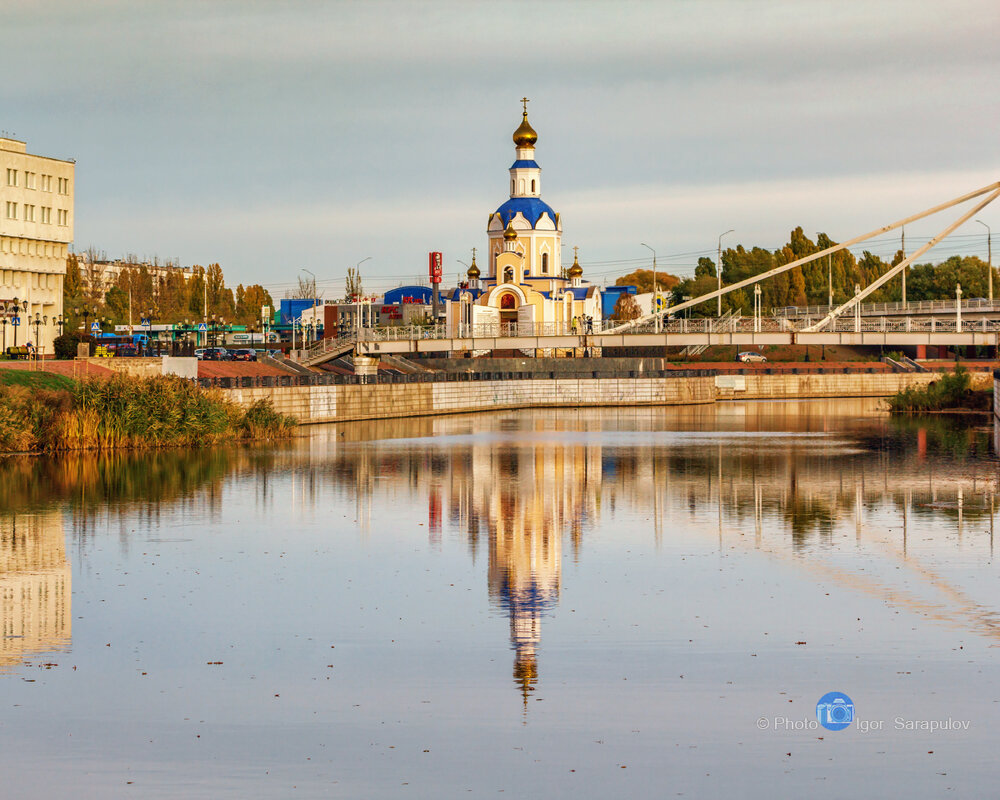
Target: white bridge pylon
[{"x": 992, "y": 191}]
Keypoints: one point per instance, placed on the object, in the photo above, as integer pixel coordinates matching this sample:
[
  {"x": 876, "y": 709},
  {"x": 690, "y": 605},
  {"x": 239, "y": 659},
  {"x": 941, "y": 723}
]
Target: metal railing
[
  {"x": 871, "y": 309},
  {"x": 734, "y": 324}
]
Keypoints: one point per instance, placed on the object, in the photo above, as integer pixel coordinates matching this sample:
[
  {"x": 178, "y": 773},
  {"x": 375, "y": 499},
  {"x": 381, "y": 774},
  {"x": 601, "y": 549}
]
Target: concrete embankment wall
[
  {"x": 789, "y": 387},
  {"x": 343, "y": 403}
]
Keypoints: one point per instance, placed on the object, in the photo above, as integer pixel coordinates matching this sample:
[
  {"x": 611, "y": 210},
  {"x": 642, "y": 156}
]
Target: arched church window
[
  {"x": 508, "y": 277},
  {"x": 545, "y": 263},
  {"x": 512, "y": 186},
  {"x": 507, "y": 302},
  {"x": 532, "y": 186}
]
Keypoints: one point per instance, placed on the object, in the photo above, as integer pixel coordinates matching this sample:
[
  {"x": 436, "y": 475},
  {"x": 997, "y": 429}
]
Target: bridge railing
[
  {"x": 912, "y": 306},
  {"x": 845, "y": 324}
]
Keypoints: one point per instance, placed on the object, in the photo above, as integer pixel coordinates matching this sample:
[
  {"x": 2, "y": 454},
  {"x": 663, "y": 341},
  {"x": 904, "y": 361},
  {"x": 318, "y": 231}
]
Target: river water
[{"x": 598, "y": 603}]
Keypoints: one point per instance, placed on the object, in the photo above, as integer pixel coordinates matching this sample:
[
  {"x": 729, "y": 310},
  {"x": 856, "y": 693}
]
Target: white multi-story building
[
  {"x": 36, "y": 229},
  {"x": 98, "y": 275}
]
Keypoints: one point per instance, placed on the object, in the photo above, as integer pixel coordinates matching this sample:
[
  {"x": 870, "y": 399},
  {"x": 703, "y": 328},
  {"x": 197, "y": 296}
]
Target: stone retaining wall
[
  {"x": 788, "y": 387},
  {"x": 346, "y": 402},
  {"x": 341, "y": 403}
]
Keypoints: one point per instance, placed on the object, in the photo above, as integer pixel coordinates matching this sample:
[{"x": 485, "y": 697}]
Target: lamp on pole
[
  {"x": 655, "y": 305},
  {"x": 718, "y": 272},
  {"x": 313, "y": 292},
  {"x": 989, "y": 257},
  {"x": 15, "y": 321}
]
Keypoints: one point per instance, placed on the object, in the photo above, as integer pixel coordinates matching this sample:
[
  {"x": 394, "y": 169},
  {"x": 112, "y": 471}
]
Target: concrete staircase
[{"x": 327, "y": 349}]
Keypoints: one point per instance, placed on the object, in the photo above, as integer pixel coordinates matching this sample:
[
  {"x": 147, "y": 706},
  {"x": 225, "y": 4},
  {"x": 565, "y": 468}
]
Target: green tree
[
  {"x": 116, "y": 305},
  {"x": 196, "y": 289},
  {"x": 705, "y": 267}
]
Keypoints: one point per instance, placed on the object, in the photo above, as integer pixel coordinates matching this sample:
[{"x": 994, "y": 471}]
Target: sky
[{"x": 277, "y": 137}]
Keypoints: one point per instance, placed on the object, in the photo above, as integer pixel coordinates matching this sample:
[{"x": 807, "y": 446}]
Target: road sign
[
  {"x": 202, "y": 327},
  {"x": 15, "y": 321},
  {"x": 95, "y": 328},
  {"x": 145, "y": 323}
]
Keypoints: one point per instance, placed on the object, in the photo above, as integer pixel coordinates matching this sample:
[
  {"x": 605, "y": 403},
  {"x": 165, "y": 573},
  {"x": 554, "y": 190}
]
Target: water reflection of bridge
[
  {"x": 35, "y": 587},
  {"x": 778, "y": 477}
]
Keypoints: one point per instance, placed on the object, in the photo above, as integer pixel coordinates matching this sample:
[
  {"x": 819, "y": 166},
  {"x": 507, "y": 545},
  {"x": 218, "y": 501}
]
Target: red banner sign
[{"x": 434, "y": 261}]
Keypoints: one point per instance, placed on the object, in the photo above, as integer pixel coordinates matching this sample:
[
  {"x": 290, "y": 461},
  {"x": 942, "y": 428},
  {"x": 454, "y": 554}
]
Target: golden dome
[
  {"x": 509, "y": 234},
  {"x": 576, "y": 271},
  {"x": 525, "y": 135},
  {"x": 473, "y": 271}
]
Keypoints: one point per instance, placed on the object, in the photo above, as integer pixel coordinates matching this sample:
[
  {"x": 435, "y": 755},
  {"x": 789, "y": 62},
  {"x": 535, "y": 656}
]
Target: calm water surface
[{"x": 603, "y": 603}]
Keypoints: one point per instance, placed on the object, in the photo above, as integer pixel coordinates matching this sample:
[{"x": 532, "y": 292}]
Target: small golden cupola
[
  {"x": 473, "y": 271},
  {"x": 525, "y": 135},
  {"x": 509, "y": 234},
  {"x": 576, "y": 271}
]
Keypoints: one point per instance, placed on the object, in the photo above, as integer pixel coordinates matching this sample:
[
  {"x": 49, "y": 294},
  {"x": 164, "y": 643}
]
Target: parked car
[
  {"x": 244, "y": 355},
  {"x": 199, "y": 353},
  {"x": 216, "y": 354},
  {"x": 749, "y": 356}
]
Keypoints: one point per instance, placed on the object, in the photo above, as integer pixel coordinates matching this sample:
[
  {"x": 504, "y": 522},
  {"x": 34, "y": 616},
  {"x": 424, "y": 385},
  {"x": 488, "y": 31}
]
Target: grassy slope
[{"x": 34, "y": 380}]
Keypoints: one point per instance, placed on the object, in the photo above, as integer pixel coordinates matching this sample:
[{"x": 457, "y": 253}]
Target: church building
[{"x": 525, "y": 289}]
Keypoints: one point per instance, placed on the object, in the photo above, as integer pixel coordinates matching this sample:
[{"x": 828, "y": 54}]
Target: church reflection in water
[
  {"x": 794, "y": 480},
  {"x": 35, "y": 587},
  {"x": 780, "y": 479},
  {"x": 538, "y": 495}
]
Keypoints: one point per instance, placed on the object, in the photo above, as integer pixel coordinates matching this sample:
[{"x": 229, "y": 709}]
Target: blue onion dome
[{"x": 531, "y": 208}]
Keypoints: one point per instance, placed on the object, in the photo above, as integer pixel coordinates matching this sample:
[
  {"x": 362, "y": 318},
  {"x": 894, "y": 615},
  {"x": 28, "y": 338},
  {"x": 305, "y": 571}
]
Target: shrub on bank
[
  {"x": 129, "y": 412},
  {"x": 950, "y": 391}
]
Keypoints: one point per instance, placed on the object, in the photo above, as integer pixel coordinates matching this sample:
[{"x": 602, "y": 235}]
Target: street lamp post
[
  {"x": 15, "y": 321},
  {"x": 3, "y": 324},
  {"x": 655, "y": 307},
  {"x": 958, "y": 308},
  {"x": 314, "y": 295},
  {"x": 989, "y": 257},
  {"x": 718, "y": 272}
]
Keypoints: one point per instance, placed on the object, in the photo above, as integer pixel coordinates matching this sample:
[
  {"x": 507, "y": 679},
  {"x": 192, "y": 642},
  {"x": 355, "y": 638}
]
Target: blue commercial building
[
  {"x": 609, "y": 297},
  {"x": 292, "y": 309}
]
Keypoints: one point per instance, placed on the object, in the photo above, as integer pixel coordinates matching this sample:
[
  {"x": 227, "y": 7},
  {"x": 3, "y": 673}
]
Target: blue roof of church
[
  {"x": 522, "y": 163},
  {"x": 530, "y": 207}
]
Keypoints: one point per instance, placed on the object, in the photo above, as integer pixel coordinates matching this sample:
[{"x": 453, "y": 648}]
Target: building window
[
  {"x": 532, "y": 186},
  {"x": 46, "y": 183},
  {"x": 11, "y": 177},
  {"x": 29, "y": 213},
  {"x": 11, "y": 210},
  {"x": 511, "y": 184},
  {"x": 64, "y": 186},
  {"x": 63, "y": 217},
  {"x": 46, "y": 215},
  {"x": 545, "y": 263},
  {"x": 29, "y": 180}
]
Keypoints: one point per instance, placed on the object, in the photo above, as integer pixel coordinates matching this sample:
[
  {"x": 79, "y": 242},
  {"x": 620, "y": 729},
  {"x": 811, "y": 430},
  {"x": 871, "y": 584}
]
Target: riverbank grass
[
  {"x": 35, "y": 380},
  {"x": 128, "y": 412}
]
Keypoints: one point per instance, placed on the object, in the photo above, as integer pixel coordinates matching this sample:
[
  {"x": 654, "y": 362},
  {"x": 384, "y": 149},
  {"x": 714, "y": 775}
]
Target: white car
[{"x": 749, "y": 356}]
